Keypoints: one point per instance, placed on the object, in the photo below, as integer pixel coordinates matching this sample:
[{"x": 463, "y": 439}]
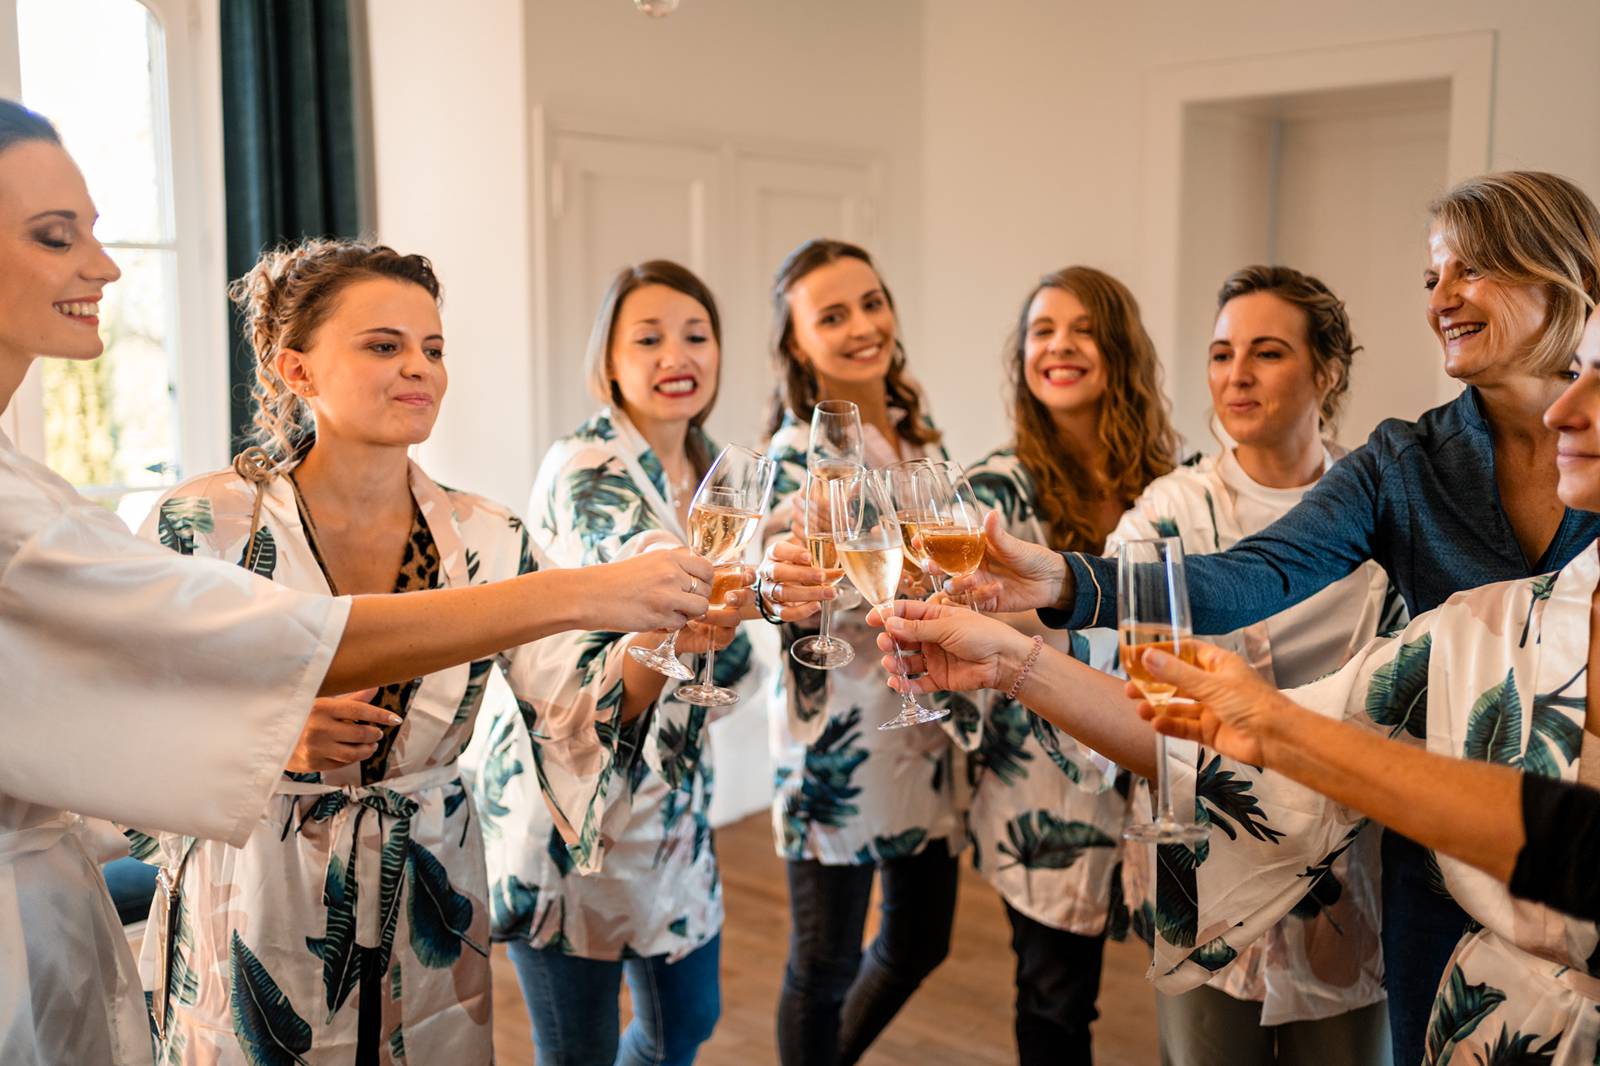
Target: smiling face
[
  {"x": 1061, "y": 361},
  {"x": 843, "y": 324},
  {"x": 54, "y": 269},
  {"x": 1576, "y": 417},
  {"x": 1263, "y": 378},
  {"x": 663, "y": 356},
  {"x": 374, "y": 370},
  {"x": 1486, "y": 327}
]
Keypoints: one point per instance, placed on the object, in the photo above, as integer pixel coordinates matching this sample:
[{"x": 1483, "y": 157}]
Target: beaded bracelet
[{"x": 1027, "y": 665}]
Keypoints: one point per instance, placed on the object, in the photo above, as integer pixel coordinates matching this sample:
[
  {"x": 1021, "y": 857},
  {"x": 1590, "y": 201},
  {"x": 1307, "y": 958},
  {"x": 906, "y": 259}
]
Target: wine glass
[
  {"x": 910, "y": 485},
  {"x": 837, "y": 450},
  {"x": 954, "y": 539},
  {"x": 723, "y": 518},
  {"x": 871, "y": 548},
  {"x": 1153, "y": 612},
  {"x": 822, "y": 650}
]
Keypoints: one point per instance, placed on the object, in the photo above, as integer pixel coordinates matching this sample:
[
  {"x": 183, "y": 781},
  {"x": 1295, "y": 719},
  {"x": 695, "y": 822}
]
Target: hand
[
  {"x": 721, "y": 622},
  {"x": 794, "y": 589},
  {"x": 1233, "y": 707},
  {"x": 339, "y": 731},
  {"x": 663, "y": 589},
  {"x": 1016, "y": 575},
  {"x": 955, "y": 649}
]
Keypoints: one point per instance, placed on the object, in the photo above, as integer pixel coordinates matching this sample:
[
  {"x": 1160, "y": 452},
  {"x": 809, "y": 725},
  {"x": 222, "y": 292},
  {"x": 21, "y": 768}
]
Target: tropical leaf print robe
[
  {"x": 1496, "y": 673},
  {"x": 1324, "y": 958},
  {"x": 270, "y": 936},
  {"x": 630, "y": 869},
  {"x": 847, "y": 793},
  {"x": 1046, "y": 815}
]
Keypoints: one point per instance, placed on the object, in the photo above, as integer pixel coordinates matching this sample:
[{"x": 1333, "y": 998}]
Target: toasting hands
[
  {"x": 953, "y": 648},
  {"x": 1016, "y": 575},
  {"x": 1234, "y": 710}
]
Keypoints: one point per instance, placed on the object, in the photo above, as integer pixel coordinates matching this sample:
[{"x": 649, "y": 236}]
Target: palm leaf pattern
[
  {"x": 1539, "y": 590},
  {"x": 512, "y": 903},
  {"x": 269, "y": 1030},
  {"x": 1494, "y": 725},
  {"x": 826, "y": 792},
  {"x": 1002, "y": 751},
  {"x": 1049, "y": 739},
  {"x": 1397, "y": 696},
  {"x": 894, "y": 846},
  {"x": 1213, "y": 955},
  {"x": 733, "y": 662},
  {"x": 180, "y": 518},
  {"x": 1225, "y": 798},
  {"x": 1038, "y": 840},
  {"x": 336, "y": 947},
  {"x": 1177, "y": 894},
  {"x": 440, "y": 916},
  {"x": 1001, "y": 492},
  {"x": 599, "y": 497},
  {"x": 261, "y": 552},
  {"x": 1516, "y": 1049},
  {"x": 1459, "y": 1009},
  {"x": 472, "y": 697},
  {"x": 1555, "y": 736}
]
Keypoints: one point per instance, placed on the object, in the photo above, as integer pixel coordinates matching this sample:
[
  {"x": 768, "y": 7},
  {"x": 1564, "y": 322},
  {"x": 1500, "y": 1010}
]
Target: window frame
[{"x": 192, "y": 55}]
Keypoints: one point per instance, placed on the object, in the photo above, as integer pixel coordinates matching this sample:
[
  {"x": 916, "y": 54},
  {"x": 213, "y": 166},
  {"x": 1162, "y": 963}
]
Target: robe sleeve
[
  {"x": 143, "y": 687},
  {"x": 1271, "y": 839}
]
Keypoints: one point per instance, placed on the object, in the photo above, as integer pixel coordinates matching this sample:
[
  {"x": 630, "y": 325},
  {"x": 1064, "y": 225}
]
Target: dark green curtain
[{"x": 289, "y": 141}]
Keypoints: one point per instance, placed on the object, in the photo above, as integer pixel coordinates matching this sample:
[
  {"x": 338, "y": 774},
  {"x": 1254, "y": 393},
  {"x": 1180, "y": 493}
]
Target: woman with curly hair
[{"x": 1092, "y": 431}]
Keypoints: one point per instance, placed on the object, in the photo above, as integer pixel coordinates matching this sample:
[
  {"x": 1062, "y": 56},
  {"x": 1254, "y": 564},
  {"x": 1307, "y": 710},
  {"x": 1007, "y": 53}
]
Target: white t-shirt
[{"x": 1304, "y": 646}]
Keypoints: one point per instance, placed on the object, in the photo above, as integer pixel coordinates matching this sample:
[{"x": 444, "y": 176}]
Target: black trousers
[{"x": 1058, "y": 981}]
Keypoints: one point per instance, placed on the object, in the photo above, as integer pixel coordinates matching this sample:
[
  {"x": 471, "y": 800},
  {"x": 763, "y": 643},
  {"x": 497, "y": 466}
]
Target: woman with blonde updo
[{"x": 353, "y": 924}]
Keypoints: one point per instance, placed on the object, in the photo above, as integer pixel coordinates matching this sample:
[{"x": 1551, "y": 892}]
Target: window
[{"x": 136, "y": 97}]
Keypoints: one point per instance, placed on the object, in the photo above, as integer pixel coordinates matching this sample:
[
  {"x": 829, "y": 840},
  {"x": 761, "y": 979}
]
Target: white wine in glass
[
  {"x": 723, "y": 519},
  {"x": 837, "y": 449},
  {"x": 822, "y": 650},
  {"x": 1153, "y": 613},
  {"x": 954, "y": 539},
  {"x": 870, "y": 547}
]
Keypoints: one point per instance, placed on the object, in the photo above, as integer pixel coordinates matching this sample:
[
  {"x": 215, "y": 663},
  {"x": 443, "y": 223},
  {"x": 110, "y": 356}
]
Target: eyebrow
[
  {"x": 70, "y": 216},
  {"x": 695, "y": 321},
  {"x": 390, "y": 331}
]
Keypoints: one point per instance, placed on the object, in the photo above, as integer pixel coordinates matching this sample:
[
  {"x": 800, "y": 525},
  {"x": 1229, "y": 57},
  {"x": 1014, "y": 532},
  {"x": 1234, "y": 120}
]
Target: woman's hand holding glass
[
  {"x": 1235, "y": 712},
  {"x": 1016, "y": 574},
  {"x": 949, "y": 648},
  {"x": 793, "y": 588}
]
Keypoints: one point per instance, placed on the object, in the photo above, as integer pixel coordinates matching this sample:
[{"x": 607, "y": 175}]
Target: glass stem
[
  {"x": 827, "y": 618},
  {"x": 706, "y": 667},
  {"x": 907, "y": 700},
  {"x": 1164, "y": 811}
]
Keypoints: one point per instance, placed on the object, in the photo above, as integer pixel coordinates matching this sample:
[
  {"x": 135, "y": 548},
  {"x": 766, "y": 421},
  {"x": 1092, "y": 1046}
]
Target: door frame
[{"x": 1465, "y": 60}]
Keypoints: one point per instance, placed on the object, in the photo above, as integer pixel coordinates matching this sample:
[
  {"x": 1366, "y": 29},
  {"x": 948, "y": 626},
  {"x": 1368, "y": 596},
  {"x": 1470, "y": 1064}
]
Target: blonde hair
[
  {"x": 597, "y": 360},
  {"x": 1132, "y": 423},
  {"x": 1530, "y": 228},
  {"x": 282, "y": 301},
  {"x": 797, "y": 380}
]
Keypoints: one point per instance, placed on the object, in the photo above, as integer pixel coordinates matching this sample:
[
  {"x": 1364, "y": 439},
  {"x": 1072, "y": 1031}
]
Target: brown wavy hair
[
  {"x": 282, "y": 301},
  {"x": 1530, "y": 228},
  {"x": 1133, "y": 423},
  {"x": 797, "y": 382},
  {"x": 597, "y": 360},
  {"x": 1333, "y": 346}
]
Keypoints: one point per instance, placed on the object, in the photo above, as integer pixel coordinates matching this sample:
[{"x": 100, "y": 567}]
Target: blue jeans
[
  {"x": 1421, "y": 928},
  {"x": 573, "y": 1004},
  {"x": 837, "y": 999}
]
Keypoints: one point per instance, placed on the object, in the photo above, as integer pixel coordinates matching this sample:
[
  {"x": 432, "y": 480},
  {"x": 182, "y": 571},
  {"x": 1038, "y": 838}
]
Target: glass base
[
  {"x": 1165, "y": 831},
  {"x": 706, "y": 695},
  {"x": 916, "y": 714},
  {"x": 662, "y": 663},
  {"x": 822, "y": 653}
]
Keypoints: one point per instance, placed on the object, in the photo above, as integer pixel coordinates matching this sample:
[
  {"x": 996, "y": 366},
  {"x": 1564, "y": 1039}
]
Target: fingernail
[
  {"x": 1154, "y": 657},
  {"x": 394, "y": 719}
]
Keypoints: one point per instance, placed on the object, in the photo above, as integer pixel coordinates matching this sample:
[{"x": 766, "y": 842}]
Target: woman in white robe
[{"x": 110, "y": 648}]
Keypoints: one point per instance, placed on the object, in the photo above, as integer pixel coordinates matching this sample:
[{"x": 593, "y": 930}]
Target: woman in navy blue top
[{"x": 1462, "y": 497}]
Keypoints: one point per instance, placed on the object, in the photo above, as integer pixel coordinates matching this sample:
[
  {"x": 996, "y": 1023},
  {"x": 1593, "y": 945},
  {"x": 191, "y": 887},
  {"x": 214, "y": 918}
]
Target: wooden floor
[{"x": 962, "y": 1014}]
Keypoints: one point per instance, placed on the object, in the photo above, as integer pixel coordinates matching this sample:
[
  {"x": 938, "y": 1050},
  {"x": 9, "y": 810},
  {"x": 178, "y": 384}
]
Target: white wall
[
  {"x": 1033, "y": 140},
  {"x": 450, "y": 167}
]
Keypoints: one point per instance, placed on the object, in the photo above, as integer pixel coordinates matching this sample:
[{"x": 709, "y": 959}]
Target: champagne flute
[
  {"x": 910, "y": 488},
  {"x": 837, "y": 450},
  {"x": 822, "y": 650},
  {"x": 1153, "y": 612},
  {"x": 871, "y": 548},
  {"x": 954, "y": 542},
  {"x": 723, "y": 518}
]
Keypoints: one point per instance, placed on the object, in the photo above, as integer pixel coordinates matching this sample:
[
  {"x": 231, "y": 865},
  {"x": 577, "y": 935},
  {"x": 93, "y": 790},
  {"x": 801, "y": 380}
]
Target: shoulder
[
  {"x": 469, "y": 508},
  {"x": 1396, "y": 438}
]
